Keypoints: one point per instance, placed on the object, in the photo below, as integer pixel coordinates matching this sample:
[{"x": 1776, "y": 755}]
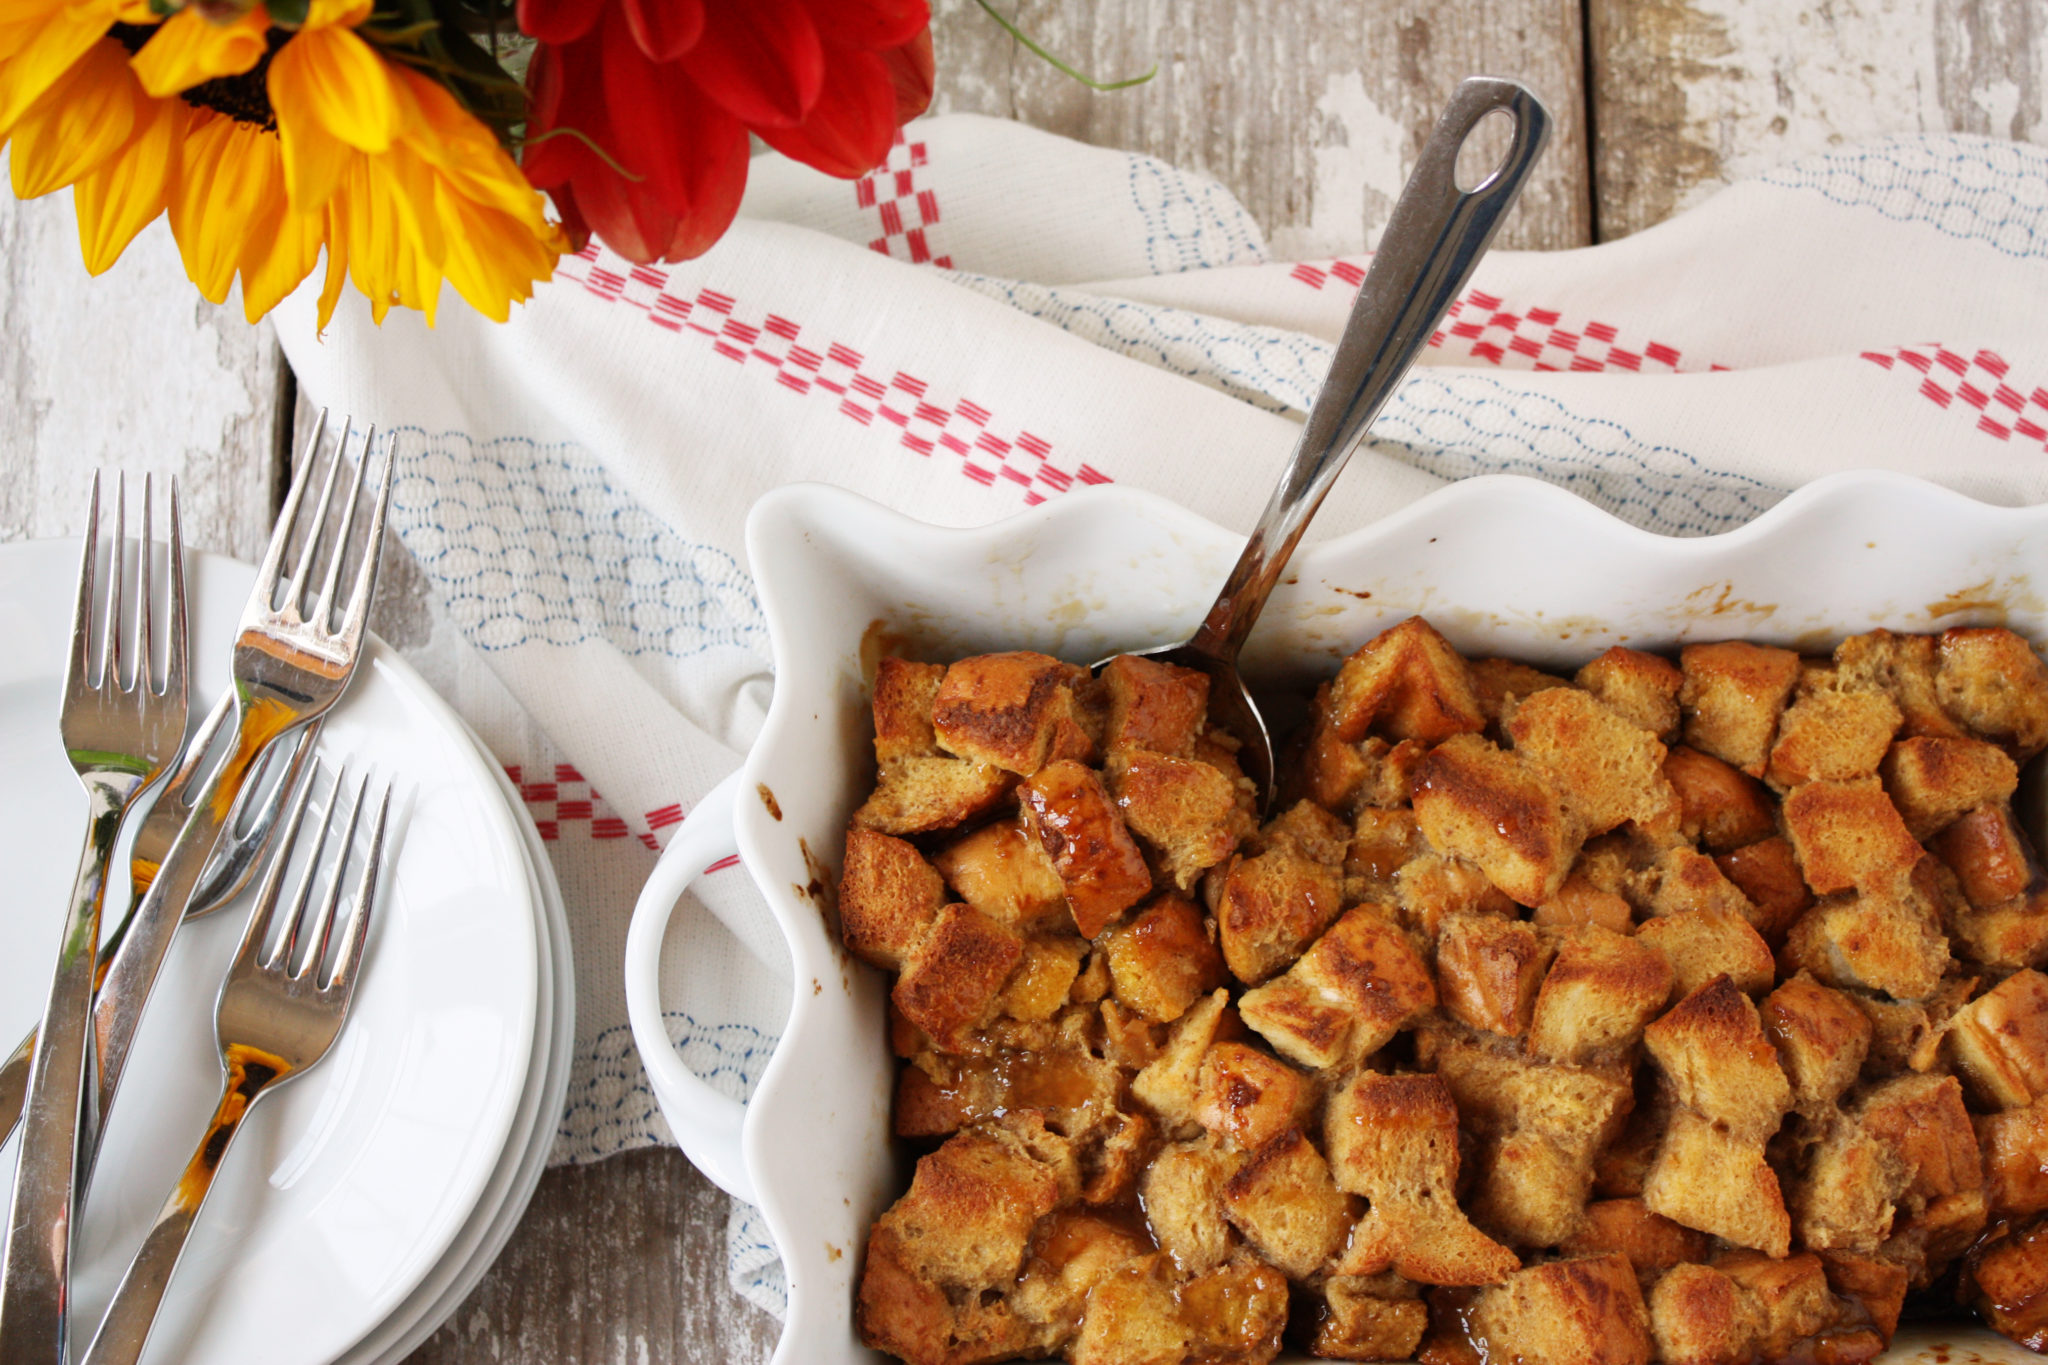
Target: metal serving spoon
[{"x": 1434, "y": 238}]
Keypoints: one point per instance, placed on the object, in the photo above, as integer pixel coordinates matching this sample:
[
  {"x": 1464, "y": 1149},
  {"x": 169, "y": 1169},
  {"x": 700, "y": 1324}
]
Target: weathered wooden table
[{"x": 1309, "y": 111}]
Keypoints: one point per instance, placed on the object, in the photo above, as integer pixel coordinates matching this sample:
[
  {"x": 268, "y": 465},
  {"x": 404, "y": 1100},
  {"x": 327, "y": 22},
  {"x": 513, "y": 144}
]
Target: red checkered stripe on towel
[
  {"x": 1483, "y": 326},
  {"x": 1981, "y": 384},
  {"x": 986, "y": 451},
  {"x": 906, "y": 213},
  {"x": 564, "y": 801}
]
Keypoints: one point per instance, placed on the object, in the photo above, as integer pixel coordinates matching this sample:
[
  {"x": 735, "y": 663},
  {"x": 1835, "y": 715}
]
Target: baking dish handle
[{"x": 706, "y": 1123}]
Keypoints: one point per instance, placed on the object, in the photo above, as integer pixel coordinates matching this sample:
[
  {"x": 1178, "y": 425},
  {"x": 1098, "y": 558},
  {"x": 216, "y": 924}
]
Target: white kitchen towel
[{"x": 997, "y": 317}]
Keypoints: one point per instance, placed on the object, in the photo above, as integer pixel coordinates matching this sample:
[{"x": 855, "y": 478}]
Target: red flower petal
[
  {"x": 910, "y": 68},
  {"x": 665, "y": 29},
  {"x": 760, "y": 60},
  {"x": 558, "y": 21},
  {"x": 567, "y": 92},
  {"x": 870, "y": 24},
  {"x": 851, "y": 126}
]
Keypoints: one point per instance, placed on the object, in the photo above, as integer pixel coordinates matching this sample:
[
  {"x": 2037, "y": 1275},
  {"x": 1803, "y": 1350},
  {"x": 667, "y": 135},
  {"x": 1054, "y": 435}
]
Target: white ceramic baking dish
[{"x": 1502, "y": 565}]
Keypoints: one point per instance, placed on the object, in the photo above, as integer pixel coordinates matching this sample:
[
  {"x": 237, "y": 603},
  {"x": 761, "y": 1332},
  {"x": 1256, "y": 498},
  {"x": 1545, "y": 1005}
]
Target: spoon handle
[{"x": 1435, "y": 236}]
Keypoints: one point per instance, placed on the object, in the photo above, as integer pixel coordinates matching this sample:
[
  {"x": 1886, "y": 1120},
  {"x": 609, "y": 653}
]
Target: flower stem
[{"x": 1047, "y": 57}]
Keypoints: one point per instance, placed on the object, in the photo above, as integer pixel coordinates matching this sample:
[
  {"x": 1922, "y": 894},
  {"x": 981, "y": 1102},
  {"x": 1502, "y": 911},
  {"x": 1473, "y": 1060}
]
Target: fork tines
[
  {"x": 298, "y": 949},
  {"x": 107, "y": 676},
  {"x": 335, "y": 533}
]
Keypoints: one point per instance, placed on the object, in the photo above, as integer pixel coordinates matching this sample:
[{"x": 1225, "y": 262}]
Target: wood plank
[
  {"x": 1689, "y": 95},
  {"x": 130, "y": 371},
  {"x": 1310, "y": 113}
]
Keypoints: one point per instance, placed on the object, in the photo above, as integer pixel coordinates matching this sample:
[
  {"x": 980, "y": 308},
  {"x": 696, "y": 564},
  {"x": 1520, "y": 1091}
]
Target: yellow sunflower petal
[
  {"x": 457, "y": 144},
  {"x": 335, "y": 215},
  {"x": 335, "y": 14},
  {"x": 332, "y": 94},
  {"x": 126, "y": 193},
  {"x": 35, "y": 51},
  {"x": 219, "y": 194},
  {"x": 86, "y": 117},
  {"x": 191, "y": 48},
  {"x": 280, "y": 246}
]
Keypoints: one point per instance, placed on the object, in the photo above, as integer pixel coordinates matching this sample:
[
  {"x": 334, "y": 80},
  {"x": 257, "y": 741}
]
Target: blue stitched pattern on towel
[
  {"x": 1970, "y": 187},
  {"x": 1191, "y": 221}
]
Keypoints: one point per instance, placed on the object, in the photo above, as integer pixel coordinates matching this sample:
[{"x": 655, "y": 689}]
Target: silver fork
[
  {"x": 120, "y": 735},
  {"x": 234, "y": 863},
  {"x": 277, "y": 1015}
]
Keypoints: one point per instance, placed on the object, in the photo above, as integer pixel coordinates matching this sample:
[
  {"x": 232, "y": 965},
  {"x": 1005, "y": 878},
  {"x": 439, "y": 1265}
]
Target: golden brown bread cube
[
  {"x": 1719, "y": 805},
  {"x": 1994, "y": 684},
  {"x": 1487, "y": 971},
  {"x": 1903, "y": 667},
  {"x": 1346, "y": 997},
  {"x": 1283, "y": 1200},
  {"x": 888, "y": 897},
  {"x": 1640, "y": 686},
  {"x": 1579, "y": 902},
  {"x": 1161, "y": 959},
  {"x": 1999, "y": 1041},
  {"x": 1988, "y": 854},
  {"x": 1767, "y": 873},
  {"x": 953, "y": 979},
  {"x": 1686, "y": 879},
  {"x": 1271, "y": 907},
  {"x": 1016, "y": 710},
  {"x": 1932, "y": 781},
  {"x": 1709, "y": 942},
  {"x": 1146, "y": 1313},
  {"x": 1849, "y": 836},
  {"x": 1481, "y": 803},
  {"x": 1431, "y": 887},
  {"x": 1876, "y": 941},
  {"x": 1307, "y": 829},
  {"x": 1246, "y": 1098},
  {"x": 1154, "y": 706},
  {"x": 1606, "y": 768},
  {"x": 1832, "y": 736},
  {"x": 1382, "y": 842},
  {"x": 1071, "y": 1252},
  {"x": 2014, "y": 934},
  {"x": 917, "y": 794},
  {"x": 1922, "y": 1120},
  {"x": 1621, "y": 1167},
  {"x": 1394, "y": 1141},
  {"x": 1182, "y": 1195},
  {"x": 918, "y": 1321},
  {"x": 1377, "y": 1317},
  {"x": 1599, "y": 992},
  {"x": 1333, "y": 772},
  {"x": 1186, "y": 810},
  {"x": 2010, "y": 1279},
  {"x": 1499, "y": 683},
  {"x": 1712, "y": 1049},
  {"x": 2014, "y": 1146},
  {"x": 1580, "y": 1312},
  {"x": 1732, "y": 697},
  {"x": 1791, "y": 1293},
  {"x": 1170, "y": 1084},
  {"x": 904, "y": 695},
  {"x": 1706, "y": 1177},
  {"x": 1405, "y": 683},
  {"x": 1879, "y": 1286},
  {"x": 1072, "y": 817},
  {"x": 968, "y": 1214},
  {"x": 1821, "y": 1038},
  {"x": 1043, "y": 979},
  {"x": 1652, "y": 1243},
  {"x": 1847, "y": 1195},
  {"x": 1004, "y": 872},
  {"x": 1699, "y": 1316}
]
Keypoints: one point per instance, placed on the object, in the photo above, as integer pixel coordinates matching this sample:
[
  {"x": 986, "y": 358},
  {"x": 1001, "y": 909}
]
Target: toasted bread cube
[
  {"x": 1272, "y": 907},
  {"x": 1283, "y": 1200},
  {"x": 1821, "y": 1038},
  {"x": 1652, "y": 1243},
  {"x": 1711, "y": 1047},
  {"x": 1154, "y": 706},
  {"x": 2011, "y": 1281},
  {"x": 1044, "y": 978},
  {"x": 1004, "y": 872},
  {"x": 1733, "y": 694},
  {"x": 1382, "y": 842},
  {"x": 1161, "y": 959},
  {"x": 1890, "y": 942},
  {"x": 1235, "y": 1313},
  {"x": 2014, "y": 934},
  {"x": 1184, "y": 809},
  {"x": 1989, "y": 856},
  {"x": 1706, "y": 1177},
  {"x": 888, "y": 897},
  {"x": 1719, "y": 805},
  {"x": 1709, "y": 942},
  {"x": 1767, "y": 873},
  {"x": 1701, "y": 1317},
  {"x": 1405, "y": 683},
  {"x": 1832, "y": 736},
  {"x": 1579, "y": 902},
  {"x": 1146, "y": 1313},
  {"x": 1640, "y": 686},
  {"x": 1378, "y": 1317},
  {"x": 1685, "y": 879},
  {"x": 1487, "y": 971},
  {"x": 1334, "y": 772},
  {"x": 1792, "y": 1294},
  {"x": 1170, "y": 1085},
  {"x": 1849, "y": 836},
  {"x": 904, "y": 695},
  {"x": 1307, "y": 829},
  {"x": 1922, "y": 1118},
  {"x": 1532, "y": 1190},
  {"x": 954, "y": 978},
  {"x": 1848, "y": 1194},
  {"x": 1071, "y": 815},
  {"x": 916, "y": 1320},
  {"x": 1879, "y": 1286},
  {"x": 1599, "y": 992},
  {"x": 1394, "y": 1140},
  {"x": 1582, "y": 1312},
  {"x": 1071, "y": 1252},
  {"x": 969, "y": 1211},
  {"x": 1902, "y": 667},
  {"x": 1016, "y": 711},
  {"x": 1346, "y": 997},
  {"x": 1621, "y": 1167},
  {"x": 1432, "y": 887},
  {"x": 1607, "y": 769},
  {"x": 1994, "y": 684},
  {"x": 1500, "y": 683},
  {"x": 1246, "y": 1098},
  {"x": 2014, "y": 1147},
  {"x": 1478, "y": 802},
  {"x": 1933, "y": 781},
  {"x": 2000, "y": 1041},
  {"x": 1182, "y": 1194},
  {"x": 915, "y": 795}
]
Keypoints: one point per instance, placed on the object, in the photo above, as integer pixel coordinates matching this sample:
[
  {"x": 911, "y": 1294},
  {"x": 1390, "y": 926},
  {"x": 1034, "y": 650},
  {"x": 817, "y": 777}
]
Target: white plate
[{"x": 345, "y": 1189}]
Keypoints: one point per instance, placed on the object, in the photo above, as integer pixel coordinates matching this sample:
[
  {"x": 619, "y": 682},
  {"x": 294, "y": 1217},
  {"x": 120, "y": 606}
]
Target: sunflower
[{"x": 265, "y": 142}]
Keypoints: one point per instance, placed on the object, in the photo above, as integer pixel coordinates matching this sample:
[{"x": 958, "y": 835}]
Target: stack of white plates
[{"x": 363, "y": 1202}]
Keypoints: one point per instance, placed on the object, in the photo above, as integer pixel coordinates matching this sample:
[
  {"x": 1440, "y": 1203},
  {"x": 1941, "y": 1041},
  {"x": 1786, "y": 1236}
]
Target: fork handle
[{"x": 124, "y": 1331}]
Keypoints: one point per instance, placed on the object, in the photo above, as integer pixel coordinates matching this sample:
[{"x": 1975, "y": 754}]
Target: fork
[
  {"x": 120, "y": 736},
  {"x": 277, "y": 1015}
]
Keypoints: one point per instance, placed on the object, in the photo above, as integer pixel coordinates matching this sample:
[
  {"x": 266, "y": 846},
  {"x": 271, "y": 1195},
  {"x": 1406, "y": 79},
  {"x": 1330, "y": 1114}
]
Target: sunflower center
[{"x": 244, "y": 98}]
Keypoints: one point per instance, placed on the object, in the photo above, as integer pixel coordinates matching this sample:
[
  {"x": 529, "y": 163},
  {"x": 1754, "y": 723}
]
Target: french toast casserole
[{"x": 1683, "y": 1010}]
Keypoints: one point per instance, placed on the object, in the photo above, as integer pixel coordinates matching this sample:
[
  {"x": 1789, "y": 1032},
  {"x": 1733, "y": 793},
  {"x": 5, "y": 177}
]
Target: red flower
[{"x": 641, "y": 108}]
